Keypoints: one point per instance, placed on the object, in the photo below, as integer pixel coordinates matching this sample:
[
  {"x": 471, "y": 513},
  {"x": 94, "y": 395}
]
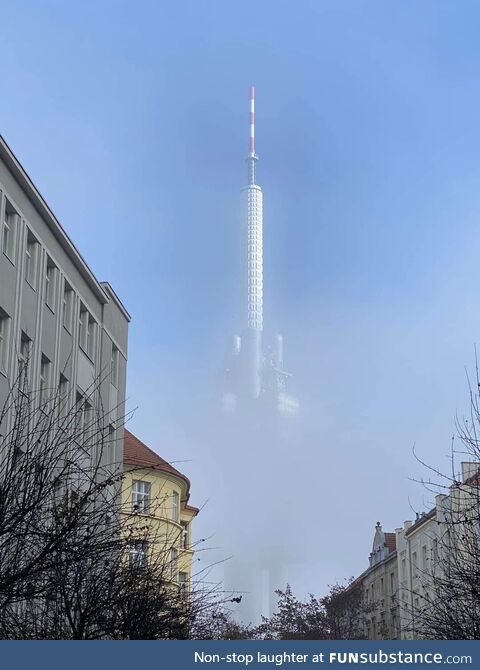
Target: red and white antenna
[{"x": 252, "y": 121}]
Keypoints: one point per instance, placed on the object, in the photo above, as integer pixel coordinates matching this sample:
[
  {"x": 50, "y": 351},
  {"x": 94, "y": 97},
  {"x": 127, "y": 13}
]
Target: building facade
[
  {"x": 157, "y": 514},
  {"x": 380, "y": 586},
  {"x": 438, "y": 556},
  {"x": 407, "y": 583},
  {"x": 54, "y": 314}
]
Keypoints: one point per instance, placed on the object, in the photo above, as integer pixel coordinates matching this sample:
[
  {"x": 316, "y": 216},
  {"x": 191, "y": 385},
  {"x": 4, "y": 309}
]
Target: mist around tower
[{"x": 256, "y": 427}]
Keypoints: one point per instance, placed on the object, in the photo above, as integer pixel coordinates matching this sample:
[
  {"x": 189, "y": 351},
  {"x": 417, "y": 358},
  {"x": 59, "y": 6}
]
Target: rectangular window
[
  {"x": 183, "y": 582},
  {"x": 138, "y": 554},
  {"x": 173, "y": 563},
  {"x": 63, "y": 396},
  {"x": 404, "y": 569},
  {"x": 4, "y": 331},
  {"x": 392, "y": 583},
  {"x": 114, "y": 366},
  {"x": 82, "y": 441},
  {"x": 140, "y": 496},
  {"x": 31, "y": 252},
  {"x": 414, "y": 563},
  {"x": 45, "y": 383},
  {"x": 184, "y": 525},
  {"x": 86, "y": 329},
  {"x": 67, "y": 306},
  {"x": 175, "y": 499},
  {"x": 84, "y": 416},
  {"x": 24, "y": 361},
  {"x": 8, "y": 231},
  {"x": 424, "y": 557},
  {"x": 50, "y": 284}
]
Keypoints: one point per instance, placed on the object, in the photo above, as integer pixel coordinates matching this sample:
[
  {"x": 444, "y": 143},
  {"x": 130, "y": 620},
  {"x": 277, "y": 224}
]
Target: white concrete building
[
  {"x": 416, "y": 546},
  {"x": 432, "y": 545},
  {"x": 72, "y": 328}
]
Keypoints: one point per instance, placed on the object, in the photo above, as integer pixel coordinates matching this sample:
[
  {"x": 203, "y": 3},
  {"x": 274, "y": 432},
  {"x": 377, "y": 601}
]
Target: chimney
[{"x": 469, "y": 469}]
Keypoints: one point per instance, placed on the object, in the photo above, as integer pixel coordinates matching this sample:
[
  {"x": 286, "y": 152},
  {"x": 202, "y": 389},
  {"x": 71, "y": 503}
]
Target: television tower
[
  {"x": 255, "y": 373},
  {"x": 256, "y": 406},
  {"x": 252, "y": 207}
]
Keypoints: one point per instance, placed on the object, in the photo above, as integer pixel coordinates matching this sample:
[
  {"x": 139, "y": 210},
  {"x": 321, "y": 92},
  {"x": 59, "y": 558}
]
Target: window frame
[
  {"x": 82, "y": 436},
  {"x": 175, "y": 506},
  {"x": 9, "y": 224},
  {"x": 138, "y": 549},
  {"x": 141, "y": 499},
  {"x": 31, "y": 260},
  {"x": 50, "y": 284},
  {"x": 185, "y": 529},
  {"x": 45, "y": 379},
  {"x": 173, "y": 564},
  {"x": 114, "y": 366},
  {"x": 63, "y": 396},
  {"x": 25, "y": 359},
  {"x": 67, "y": 306},
  {"x": 87, "y": 332},
  {"x": 183, "y": 583},
  {"x": 4, "y": 340}
]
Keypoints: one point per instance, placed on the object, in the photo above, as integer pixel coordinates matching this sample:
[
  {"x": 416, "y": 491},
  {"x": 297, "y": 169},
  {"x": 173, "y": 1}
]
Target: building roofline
[
  {"x": 423, "y": 519},
  {"x": 371, "y": 568},
  {"x": 107, "y": 287},
  {"x": 40, "y": 204},
  {"x": 158, "y": 464}
]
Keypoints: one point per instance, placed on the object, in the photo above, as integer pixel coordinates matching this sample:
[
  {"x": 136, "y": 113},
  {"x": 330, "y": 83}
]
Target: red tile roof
[
  {"x": 391, "y": 541},
  {"x": 136, "y": 452}
]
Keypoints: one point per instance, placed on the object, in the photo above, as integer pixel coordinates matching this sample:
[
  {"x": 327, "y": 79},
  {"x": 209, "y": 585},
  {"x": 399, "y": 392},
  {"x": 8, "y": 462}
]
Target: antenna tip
[{"x": 252, "y": 92}]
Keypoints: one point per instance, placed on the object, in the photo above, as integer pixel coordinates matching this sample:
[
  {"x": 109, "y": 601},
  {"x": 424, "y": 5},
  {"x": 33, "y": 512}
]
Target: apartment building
[
  {"x": 422, "y": 572},
  {"x": 72, "y": 329},
  {"x": 380, "y": 587},
  {"x": 157, "y": 514}
]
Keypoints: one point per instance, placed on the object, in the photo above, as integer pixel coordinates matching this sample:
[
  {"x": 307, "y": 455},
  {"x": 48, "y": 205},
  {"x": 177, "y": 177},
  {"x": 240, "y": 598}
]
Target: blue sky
[{"x": 132, "y": 121}]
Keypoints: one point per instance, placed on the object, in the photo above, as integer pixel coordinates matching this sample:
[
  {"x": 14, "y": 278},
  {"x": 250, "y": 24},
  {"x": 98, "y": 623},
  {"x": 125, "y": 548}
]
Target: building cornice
[
  {"x": 419, "y": 522},
  {"x": 111, "y": 294}
]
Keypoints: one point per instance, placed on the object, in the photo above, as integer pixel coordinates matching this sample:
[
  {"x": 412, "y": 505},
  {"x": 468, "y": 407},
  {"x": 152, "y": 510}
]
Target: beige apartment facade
[
  {"x": 157, "y": 513},
  {"x": 380, "y": 587}
]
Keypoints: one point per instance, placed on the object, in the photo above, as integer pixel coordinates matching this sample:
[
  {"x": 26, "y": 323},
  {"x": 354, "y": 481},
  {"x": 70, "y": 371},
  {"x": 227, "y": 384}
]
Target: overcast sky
[{"x": 131, "y": 118}]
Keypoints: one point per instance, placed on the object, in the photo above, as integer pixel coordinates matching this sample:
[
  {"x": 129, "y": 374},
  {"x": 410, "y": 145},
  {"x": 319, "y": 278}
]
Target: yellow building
[{"x": 157, "y": 516}]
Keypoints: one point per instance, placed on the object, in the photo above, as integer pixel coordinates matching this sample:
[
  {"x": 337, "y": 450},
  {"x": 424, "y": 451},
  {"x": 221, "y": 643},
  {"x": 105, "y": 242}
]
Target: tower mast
[{"x": 253, "y": 212}]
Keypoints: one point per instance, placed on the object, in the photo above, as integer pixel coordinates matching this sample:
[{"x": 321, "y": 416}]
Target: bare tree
[
  {"x": 73, "y": 565},
  {"x": 347, "y": 610},
  {"x": 445, "y": 601}
]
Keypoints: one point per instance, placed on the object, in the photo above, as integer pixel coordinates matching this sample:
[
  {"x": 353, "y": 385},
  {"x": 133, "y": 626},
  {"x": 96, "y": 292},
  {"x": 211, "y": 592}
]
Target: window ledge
[
  {"x": 31, "y": 285},
  {"x": 135, "y": 512},
  {"x": 50, "y": 308}
]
